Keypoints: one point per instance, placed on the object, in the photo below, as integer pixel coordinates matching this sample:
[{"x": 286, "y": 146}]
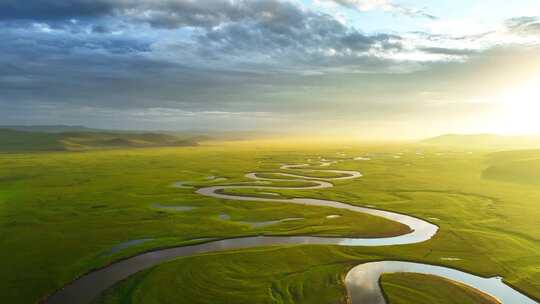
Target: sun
[{"x": 521, "y": 108}]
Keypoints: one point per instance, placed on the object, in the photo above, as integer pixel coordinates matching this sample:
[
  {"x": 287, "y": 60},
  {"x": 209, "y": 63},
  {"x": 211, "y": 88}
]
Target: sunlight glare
[{"x": 521, "y": 106}]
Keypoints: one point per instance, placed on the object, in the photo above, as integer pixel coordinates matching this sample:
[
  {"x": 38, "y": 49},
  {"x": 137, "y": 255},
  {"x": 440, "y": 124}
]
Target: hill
[
  {"x": 14, "y": 141},
  {"x": 202, "y": 134},
  {"x": 25, "y": 141},
  {"x": 50, "y": 128},
  {"x": 522, "y": 166},
  {"x": 484, "y": 141}
]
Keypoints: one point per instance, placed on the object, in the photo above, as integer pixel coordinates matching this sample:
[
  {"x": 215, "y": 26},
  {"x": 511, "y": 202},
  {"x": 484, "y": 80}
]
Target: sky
[{"x": 368, "y": 68}]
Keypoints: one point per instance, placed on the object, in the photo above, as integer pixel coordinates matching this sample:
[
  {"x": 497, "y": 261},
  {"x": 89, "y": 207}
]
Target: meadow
[{"x": 63, "y": 214}]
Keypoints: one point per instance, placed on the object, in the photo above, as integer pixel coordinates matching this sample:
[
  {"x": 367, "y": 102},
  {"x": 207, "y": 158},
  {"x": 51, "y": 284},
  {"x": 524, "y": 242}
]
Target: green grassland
[
  {"x": 262, "y": 275},
  {"x": 413, "y": 288},
  {"x": 62, "y": 212}
]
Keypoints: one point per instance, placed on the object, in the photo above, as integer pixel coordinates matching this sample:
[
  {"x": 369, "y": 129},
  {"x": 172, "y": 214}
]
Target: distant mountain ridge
[
  {"x": 484, "y": 141},
  {"x": 27, "y": 141},
  {"x": 51, "y": 128},
  {"x": 202, "y": 134}
]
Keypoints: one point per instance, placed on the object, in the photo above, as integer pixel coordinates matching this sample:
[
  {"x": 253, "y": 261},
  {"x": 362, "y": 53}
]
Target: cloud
[
  {"x": 227, "y": 55},
  {"x": 171, "y": 13},
  {"x": 182, "y": 61},
  {"x": 384, "y": 5},
  {"x": 524, "y": 25},
  {"x": 449, "y": 51},
  {"x": 294, "y": 38},
  {"x": 157, "y": 13},
  {"x": 160, "y": 13},
  {"x": 55, "y": 9},
  {"x": 227, "y": 34}
]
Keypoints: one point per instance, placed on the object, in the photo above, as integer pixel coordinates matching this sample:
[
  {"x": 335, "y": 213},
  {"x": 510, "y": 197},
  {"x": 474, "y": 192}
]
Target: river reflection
[{"x": 362, "y": 281}]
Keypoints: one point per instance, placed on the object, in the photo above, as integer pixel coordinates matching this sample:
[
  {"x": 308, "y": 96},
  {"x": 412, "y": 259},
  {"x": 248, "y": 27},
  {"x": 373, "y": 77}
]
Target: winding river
[{"x": 362, "y": 281}]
